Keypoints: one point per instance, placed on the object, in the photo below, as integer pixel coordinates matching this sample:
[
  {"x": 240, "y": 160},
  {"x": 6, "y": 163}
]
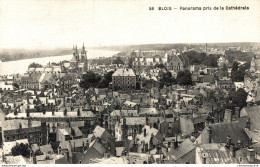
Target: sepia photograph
[{"x": 129, "y": 82}]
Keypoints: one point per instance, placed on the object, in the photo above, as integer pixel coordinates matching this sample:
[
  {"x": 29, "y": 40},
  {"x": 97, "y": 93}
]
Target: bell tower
[{"x": 84, "y": 58}]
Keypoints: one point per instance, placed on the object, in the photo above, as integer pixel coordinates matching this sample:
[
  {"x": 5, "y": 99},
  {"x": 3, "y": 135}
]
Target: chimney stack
[
  {"x": 68, "y": 155},
  {"x": 175, "y": 143},
  {"x": 34, "y": 159},
  {"x": 204, "y": 158},
  {"x": 248, "y": 124},
  {"x": 228, "y": 141},
  {"x": 29, "y": 123},
  {"x": 86, "y": 145},
  {"x": 237, "y": 112},
  {"x": 228, "y": 115},
  {"x": 65, "y": 112},
  {"x": 232, "y": 150},
  {"x": 27, "y": 113},
  {"x": 251, "y": 154}
]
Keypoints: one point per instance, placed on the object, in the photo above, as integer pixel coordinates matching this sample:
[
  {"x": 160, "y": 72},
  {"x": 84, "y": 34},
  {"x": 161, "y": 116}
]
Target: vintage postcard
[{"x": 129, "y": 82}]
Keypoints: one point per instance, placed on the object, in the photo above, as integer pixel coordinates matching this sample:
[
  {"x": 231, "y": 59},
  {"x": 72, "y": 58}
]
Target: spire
[
  {"x": 76, "y": 49},
  {"x": 83, "y": 50},
  {"x": 73, "y": 49}
]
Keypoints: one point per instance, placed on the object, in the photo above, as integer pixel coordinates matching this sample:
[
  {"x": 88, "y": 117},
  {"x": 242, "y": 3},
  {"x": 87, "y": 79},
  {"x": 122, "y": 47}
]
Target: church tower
[
  {"x": 84, "y": 58},
  {"x": 76, "y": 53}
]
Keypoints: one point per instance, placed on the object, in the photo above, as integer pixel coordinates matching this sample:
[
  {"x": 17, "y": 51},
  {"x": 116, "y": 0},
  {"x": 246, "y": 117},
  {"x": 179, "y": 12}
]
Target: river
[{"x": 21, "y": 66}]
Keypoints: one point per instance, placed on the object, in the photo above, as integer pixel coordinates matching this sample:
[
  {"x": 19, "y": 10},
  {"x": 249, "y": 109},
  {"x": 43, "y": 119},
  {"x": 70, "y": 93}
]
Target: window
[{"x": 80, "y": 161}]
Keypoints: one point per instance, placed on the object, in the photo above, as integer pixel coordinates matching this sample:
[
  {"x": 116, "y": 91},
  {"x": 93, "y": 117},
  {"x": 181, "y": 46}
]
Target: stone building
[
  {"x": 124, "y": 79},
  {"x": 34, "y": 131}
]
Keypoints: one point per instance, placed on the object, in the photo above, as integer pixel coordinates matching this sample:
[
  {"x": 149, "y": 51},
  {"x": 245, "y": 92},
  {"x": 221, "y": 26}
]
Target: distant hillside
[
  {"x": 177, "y": 46},
  {"x": 18, "y": 54}
]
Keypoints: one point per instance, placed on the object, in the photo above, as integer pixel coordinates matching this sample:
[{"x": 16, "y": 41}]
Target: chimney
[
  {"x": 68, "y": 155},
  {"x": 73, "y": 133},
  {"x": 78, "y": 112},
  {"x": 251, "y": 154},
  {"x": 248, "y": 124},
  {"x": 27, "y": 113},
  {"x": 146, "y": 119},
  {"x": 86, "y": 145},
  {"x": 34, "y": 159},
  {"x": 228, "y": 115},
  {"x": 65, "y": 112},
  {"x": 64, "y": 102},
  {"x": 232, "y": 150},
  {"x": 29, "y": 123},
  {"x": 228, "y": 141},
  {"x": 175, "y": 143},
  {"x": 239, "y": 143},
  {"x": 143, "y": 146},
  {"x": 208, "y": 135},
  {"x": 204, "y": 158},
  {"x": 20, "y": 125},
  {"x": 237, "y": 112}
]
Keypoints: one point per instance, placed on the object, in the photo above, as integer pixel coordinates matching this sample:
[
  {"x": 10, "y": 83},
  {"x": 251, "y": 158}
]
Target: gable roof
[
  {"x": 124, "y": 72},
  {"x": 149, "y": 132},
  {"x": 215, "y": 154},
  {"x": 254, "y": 114},
  {"x": 98, "y": 131},
  {"x": 233, "y": 129},
  {"x": 185, "y": 147}
]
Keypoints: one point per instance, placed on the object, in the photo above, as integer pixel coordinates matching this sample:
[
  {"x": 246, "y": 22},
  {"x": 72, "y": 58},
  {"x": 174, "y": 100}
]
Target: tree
[
  {"x": 34, "y": 65},
  {"x": 238, "y": 72},
  {"x": 21, "y": 149},
  {"x": 131, "y": 59},
  {"x": 107, "y": 79},
  {"x": 118, "y": 60},
  {"x": 202, "y": 73},
  {"x": 211, "y": 60},
  {"x": 90, "y": 79},
  {"x": 195, "y": 58},
  {"x": 167, "y": 79},
  {"x": 235, "y": 66},
  {"x": 239, "y": 98},
  {"x": 160, "y": 66},
  {"x": 16, "y": 85},
  {"x": 238, "y": 76},
  {"x": 184, "y": 78}
]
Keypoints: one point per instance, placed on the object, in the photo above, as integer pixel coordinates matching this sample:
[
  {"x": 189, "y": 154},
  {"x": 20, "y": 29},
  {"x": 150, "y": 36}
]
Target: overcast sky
[{"x": 62, "y": 23}]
